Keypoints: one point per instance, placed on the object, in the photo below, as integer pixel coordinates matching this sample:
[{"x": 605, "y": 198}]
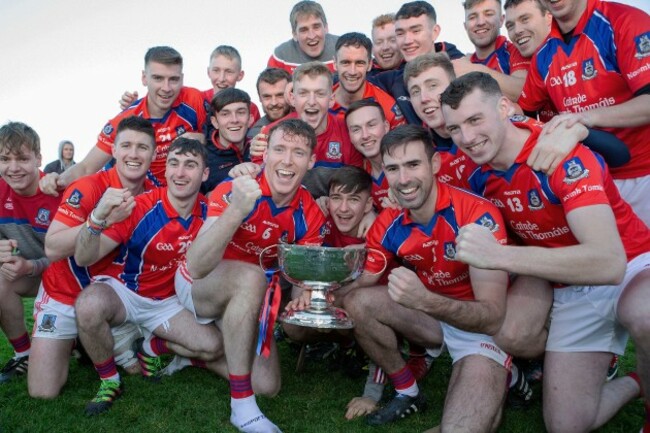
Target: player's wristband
[
  {"x": 93, "y": 228},
  {"x": 101, "y": 223},
  {"x": 37, "y": 268}
]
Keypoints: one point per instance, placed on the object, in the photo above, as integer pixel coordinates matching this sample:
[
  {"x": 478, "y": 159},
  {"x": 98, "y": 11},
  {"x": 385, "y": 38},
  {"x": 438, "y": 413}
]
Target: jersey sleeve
[
  {"x": 580, "y": 180},
  {"x": 79, "y": 199},
  {"x": 219, "y": 199},
  {"x": 106, "y": 138},
  {"x": 632, "y": 38},
  {"x": 534, "y": 95},
  {"x": 121, "y": 232},
  {"x": 377, "y": 253}
]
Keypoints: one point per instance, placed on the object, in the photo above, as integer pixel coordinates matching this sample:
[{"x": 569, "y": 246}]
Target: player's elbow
[
  {"x": 83, "y": 259},
  {"x": 52, "y": 254},
  {"x": 614, "y": 271}
]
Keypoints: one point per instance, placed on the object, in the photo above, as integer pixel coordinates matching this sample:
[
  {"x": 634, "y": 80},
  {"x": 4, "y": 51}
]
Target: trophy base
[{"x": 328, "y": 318}]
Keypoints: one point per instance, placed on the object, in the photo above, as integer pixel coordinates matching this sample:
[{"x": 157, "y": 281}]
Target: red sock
[
  {"x": 159, "y": 346},
  {"x": 198, "y": 363},
  {"x": 21, "y": 344},
  {"x": 402, "y": 380},
  {"x": 240, "y": 385},
  {"x": 107, "y": 369}
]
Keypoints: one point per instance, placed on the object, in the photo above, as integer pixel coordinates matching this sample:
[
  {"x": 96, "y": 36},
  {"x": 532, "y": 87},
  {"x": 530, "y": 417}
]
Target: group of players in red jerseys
[{"x": 504, "y": 236}]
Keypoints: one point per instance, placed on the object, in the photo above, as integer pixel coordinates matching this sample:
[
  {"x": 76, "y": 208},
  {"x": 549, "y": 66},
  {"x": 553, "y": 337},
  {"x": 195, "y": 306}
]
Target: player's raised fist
[{"x": 245, "y": 192}]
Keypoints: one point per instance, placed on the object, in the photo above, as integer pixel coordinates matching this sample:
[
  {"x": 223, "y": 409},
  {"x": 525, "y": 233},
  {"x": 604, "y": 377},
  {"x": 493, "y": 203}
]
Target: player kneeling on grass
[
  {"x": 223, "y": 275},
  {"x": 55, "y": 327},
  {"x": 154, "y": 240},
  {"x": 25, "y": 217}
]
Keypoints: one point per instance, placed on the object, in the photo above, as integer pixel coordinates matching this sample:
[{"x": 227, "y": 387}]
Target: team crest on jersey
[
  {"x": 180, "y": 130},
  {"x": 534, "y": 200},
  {"x": 518, "y": 118},
  {"x": 75, "y": 199},
  {"x": 9, "y": 205},
  {"x": 642, "y": 43},
  {"x": 43, "y": 216},
  {"x": 284, "y": 238},
  {"x": 486, "y": 220},
  {"x": 334, "y": 150},
  {"x": 588, "y": 69},
  {"x": 450, "y": 251},
  {"x": 574, "y": 171},
  {"x": 396, "y": 111},
  {"x": 47, "y": 324},
  {"x": 108, "y": 129}
]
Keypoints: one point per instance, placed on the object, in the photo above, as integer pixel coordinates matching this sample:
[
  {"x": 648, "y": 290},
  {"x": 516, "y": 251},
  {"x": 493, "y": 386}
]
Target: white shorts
[
  {"x": 463, "y": 343},
  {"x": 56, "y": 320},
  {"x": 146, "y": 312},
  {"x": 183, "y": 286},
  {"x": 584, "y": 319},
  {"x": 636, "y": 191},
  {"x": 53, "y": 319}
]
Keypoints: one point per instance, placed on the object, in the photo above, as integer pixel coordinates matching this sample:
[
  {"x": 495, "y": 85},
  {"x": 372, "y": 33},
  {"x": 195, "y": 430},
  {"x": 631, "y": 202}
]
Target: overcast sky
[{"x": 65, "y": 63}]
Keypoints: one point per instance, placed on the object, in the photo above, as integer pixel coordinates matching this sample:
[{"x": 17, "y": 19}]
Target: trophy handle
[
  {"x": 261, "y": 259},
  {"x": 385, "y": 261}
]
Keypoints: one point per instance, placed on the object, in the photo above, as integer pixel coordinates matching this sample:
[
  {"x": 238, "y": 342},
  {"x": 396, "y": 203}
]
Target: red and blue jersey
[
  {"x": 187, "y": 114},
  {"x": 391, "y": 110},
  {"x": 380, "y": 187},
  {"x": 64, "y": 279},
  {"x": 455, "y": 166},
  {"x": 535, "y": 205},
  {"x": 430, "y": 250},
  {"x": 300, "y": 222},
  {"x": 505, "y": 58},
  {"x": 605, "y": 63},
  {"x": 26, "y": 219},
  {"x": 154, "y": 241}
]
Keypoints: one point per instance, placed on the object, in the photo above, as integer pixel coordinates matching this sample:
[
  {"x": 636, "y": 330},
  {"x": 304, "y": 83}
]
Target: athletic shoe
[
  {"x": 520, "y": 395},
  {"x": 399, "y": 407},
  {"x": 150, "y": 366},
  {"x": 13, "y": 368},
  {"x": 109, "y": 391},
  {"x": 612, "y": 371}
]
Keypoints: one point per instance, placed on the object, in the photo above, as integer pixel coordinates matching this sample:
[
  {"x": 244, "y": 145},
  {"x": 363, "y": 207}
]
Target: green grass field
[{"x": 197, "y": 401}]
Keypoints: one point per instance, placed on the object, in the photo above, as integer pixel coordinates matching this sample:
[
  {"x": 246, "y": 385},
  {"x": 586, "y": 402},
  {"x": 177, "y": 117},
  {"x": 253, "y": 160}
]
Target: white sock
[{"x": 248, "y": 417}]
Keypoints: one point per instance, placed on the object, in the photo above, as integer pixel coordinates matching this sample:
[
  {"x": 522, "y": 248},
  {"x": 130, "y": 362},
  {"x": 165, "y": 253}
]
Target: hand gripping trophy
[{"x": 320, "y": 269}]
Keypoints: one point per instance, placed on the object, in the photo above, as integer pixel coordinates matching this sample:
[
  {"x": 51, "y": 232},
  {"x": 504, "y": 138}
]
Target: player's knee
[
  {"x": 637, "y": 322},
  {"x": 358, "y": 304},
  {"x": 269, "y": 387},
  {"x": 89, "y": 303},
  {"x": 43, "y": 390},
  {"x": 561, "y": 421}
]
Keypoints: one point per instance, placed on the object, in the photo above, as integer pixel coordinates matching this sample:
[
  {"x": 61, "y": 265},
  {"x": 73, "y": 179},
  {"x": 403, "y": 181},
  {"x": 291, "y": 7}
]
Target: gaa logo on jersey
[
  {"x": 588, "y": 69},
  {"x": 43, "y": 216},
  {"x": 486, "y": 220},
  {"x": 534, "y": 200},
  {"x": 47, "y": 323},
  {"x": 574, "y": 171},
  {"x": 334, "y": 150},
  {"x": 450, "y": 251},
  {"x": 108, "y": 129},
  {"x": 642, "y": 43},
  {"x": 180, "y": 130},
  {"x": 75, "y": 199}
]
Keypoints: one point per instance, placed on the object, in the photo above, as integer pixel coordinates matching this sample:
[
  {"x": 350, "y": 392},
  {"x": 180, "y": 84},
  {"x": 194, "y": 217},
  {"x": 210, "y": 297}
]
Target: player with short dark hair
[{"x": 579, "y": 234}]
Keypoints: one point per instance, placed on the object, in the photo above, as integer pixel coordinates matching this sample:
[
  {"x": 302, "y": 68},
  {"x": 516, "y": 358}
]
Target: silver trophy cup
[{"x": 320, "y": 269}]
